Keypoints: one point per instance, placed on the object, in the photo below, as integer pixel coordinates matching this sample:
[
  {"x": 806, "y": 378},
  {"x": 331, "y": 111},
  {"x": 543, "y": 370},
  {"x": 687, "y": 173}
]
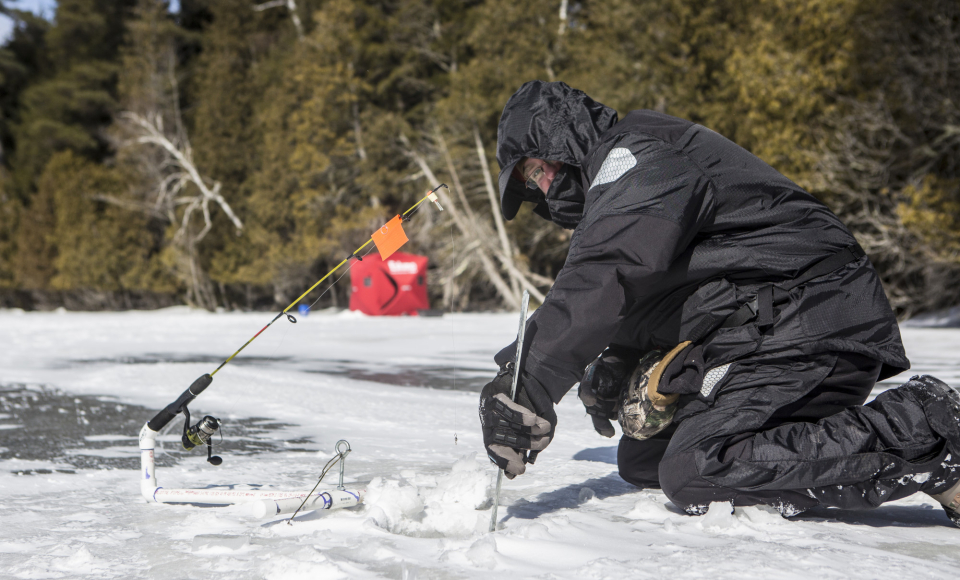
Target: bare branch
[
  {"x": 505, "y": 245},
  {"x": 127, "y": 204},
  {"x": 151, "y": 132},
  {"x": 357, "y": 131},
  {"x": 563, "y": 17},
  {"x": 522, "y": 279},
  {"x": 291, "y": 8},
  {"x": 489, "y": 268},
  {"x": 455, "y": 176},
  {"x": 268, "y": 5}
]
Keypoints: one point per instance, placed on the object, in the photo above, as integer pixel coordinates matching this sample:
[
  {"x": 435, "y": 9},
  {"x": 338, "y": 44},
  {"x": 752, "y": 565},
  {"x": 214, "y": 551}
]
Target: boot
[
  {"x": 949, "y": 398},
  {"x": 950, "y": 500}
]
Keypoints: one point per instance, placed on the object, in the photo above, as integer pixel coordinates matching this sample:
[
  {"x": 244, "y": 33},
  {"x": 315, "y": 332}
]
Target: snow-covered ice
[{"x": 70, "y": 504}]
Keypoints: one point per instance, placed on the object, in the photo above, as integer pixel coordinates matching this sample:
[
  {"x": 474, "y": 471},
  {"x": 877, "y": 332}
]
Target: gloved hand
[
  {"x": 510, "y": 428},
  {"x": 603, "y": 381}
]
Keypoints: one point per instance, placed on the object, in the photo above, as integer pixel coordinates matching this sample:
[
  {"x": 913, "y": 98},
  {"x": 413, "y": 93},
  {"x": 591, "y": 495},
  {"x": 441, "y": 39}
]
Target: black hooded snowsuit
[{"x": 676, "y": 230}]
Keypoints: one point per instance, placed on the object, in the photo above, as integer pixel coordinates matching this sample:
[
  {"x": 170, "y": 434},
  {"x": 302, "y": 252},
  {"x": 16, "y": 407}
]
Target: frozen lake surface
[{"x": 75, "y": 388}]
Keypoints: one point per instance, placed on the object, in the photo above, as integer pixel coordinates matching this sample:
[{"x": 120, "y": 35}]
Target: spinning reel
[{"x": 200, "y": 433}]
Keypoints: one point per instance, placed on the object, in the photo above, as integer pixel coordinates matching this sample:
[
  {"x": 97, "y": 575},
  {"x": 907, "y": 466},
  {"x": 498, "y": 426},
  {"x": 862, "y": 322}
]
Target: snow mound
[
  {"x": 586, "y": 494},
  {"x": 306, "y": 563},
  {"x": 453, "y": 504},
  {"x": 651, "y": 508},
  {"x": 483, "y": 552},
  {"x": 722, "y": 518}
]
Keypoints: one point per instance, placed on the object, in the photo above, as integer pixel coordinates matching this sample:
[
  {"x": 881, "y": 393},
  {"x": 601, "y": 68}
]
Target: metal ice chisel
[{"x": 513, "y": 397}]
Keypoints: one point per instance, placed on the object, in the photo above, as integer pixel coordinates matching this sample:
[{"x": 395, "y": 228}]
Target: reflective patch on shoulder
[
  {"x": 619, "y": 161},
  {"x": 713, "y": 377}
]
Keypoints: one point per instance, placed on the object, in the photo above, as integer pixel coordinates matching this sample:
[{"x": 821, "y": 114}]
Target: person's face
[{"x": 538, "y": 173}]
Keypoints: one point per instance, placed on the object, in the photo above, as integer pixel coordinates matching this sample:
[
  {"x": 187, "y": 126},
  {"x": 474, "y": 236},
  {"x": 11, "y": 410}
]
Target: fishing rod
[{"x": 387, "y": 239}]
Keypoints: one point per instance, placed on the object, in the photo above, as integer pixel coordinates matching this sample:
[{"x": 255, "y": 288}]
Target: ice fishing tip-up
[{"x": 388, "y": 239}]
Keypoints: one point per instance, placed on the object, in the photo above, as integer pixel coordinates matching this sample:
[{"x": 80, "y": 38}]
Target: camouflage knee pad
[{"x": 644, "y": 411}]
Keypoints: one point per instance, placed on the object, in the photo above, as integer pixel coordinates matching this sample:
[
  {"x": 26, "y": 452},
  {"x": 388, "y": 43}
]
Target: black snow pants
[{"x": 794, "y": 433}]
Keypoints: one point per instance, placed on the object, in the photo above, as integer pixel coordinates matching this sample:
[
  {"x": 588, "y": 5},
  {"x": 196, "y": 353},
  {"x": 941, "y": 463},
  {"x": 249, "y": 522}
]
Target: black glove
[
  {"x": 511, "y": 428},
  {"x": 603, "y": 381}
]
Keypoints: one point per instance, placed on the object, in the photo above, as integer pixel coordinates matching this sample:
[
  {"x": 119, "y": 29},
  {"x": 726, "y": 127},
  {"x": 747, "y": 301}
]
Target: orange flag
[{"x": 390, "y": 237}]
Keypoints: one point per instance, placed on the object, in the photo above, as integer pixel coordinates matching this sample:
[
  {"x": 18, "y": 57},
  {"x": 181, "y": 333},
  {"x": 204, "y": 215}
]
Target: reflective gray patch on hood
[{"x": 618, "y": 162}]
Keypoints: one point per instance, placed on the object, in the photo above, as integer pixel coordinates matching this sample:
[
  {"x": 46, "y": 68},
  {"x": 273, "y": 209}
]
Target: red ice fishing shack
[{"x": 397, "y": 285}]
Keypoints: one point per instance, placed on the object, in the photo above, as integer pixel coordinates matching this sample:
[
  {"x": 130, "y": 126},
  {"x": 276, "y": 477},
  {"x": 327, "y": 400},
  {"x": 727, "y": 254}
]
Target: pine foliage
[{"x": 305, "y": 129}]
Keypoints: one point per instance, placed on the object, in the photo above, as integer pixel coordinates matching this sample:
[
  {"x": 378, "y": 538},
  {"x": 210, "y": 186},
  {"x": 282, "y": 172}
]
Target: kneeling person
[{"x": 730, "y": 321}]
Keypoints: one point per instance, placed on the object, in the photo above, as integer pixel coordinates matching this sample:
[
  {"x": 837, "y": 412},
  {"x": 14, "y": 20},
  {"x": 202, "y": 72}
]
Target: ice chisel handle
[{"x": 524, "y": 303}]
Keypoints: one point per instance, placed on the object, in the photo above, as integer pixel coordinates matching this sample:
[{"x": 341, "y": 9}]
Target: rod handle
[{"x": 161, "y": 419}]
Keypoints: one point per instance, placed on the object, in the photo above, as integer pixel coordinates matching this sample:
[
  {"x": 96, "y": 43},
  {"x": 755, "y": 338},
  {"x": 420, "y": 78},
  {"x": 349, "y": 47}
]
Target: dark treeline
[{"x": 229, "y": 154}]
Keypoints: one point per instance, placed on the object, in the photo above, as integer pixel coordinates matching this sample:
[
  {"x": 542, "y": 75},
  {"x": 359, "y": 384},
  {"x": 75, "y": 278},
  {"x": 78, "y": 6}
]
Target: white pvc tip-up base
[{"x": 262, "y": 503}]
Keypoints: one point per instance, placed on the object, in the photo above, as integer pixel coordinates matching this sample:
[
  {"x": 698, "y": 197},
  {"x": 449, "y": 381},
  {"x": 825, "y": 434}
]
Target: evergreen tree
[
  {"x": 176, "y": 193},
  {"x": 67, "y": 108},
  {"x": 888, "y": 163},
  {"x": 22, "y": 60},
  {"x": 303, "y": 191},
  {"x": 221, "y": 120},
  {"x": 71, "y": 106},
  {"x": 315, "y": 125},
  {"x": 100, "y": 246}
]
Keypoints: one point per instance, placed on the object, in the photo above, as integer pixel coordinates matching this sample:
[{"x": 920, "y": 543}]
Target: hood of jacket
[{"x": 554, "y": 122}]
